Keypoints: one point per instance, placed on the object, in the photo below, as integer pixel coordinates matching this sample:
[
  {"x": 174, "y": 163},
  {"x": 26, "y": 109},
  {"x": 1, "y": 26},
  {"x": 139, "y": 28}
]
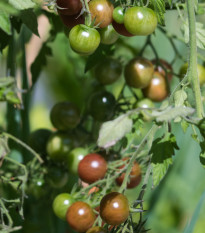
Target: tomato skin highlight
[
  {"x": 80, "y": 216},
  {"x": 114, "y": 208},
  {"x": 157, "y": 89},
  {"x": 91, "y": 168},
  {"x": 84, "y": 40},
  {"x": 101, "y": 11},
  {"x": 138, "y": 72},
  {"x": 140, "y": 21},
  {"x": 71, "y": 7}
]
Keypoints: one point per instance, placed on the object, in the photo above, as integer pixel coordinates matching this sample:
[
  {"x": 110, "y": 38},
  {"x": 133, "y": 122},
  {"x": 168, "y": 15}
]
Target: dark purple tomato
[
  {"x": 120, "y": 28},
  {"x": 80, "y": 216},
  {"x": 101, "y": 11},
  {"x": 114, "y": 208},
  {"x": 161, "y": 65},
  {"x": 91, "y": 168},
  {"x": 72, "y": 20},
  {"x": 69, "y": 7},
  {"x": 138, "y": 72},
  {"x": 157, "y": 88}
]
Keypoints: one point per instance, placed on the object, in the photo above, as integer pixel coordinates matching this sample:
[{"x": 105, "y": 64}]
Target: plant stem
[
  {"x": 88, "y": 18},
  {"x": 192, "y": 71},
  {"x": 5, "y": 211}
]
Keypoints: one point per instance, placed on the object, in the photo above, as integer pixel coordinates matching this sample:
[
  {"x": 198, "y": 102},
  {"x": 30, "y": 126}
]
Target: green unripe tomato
[
  {"x": 108, "y": 35},
  {"x": 118, "y": 15},
  {"x": 61, "y": 204},
  {"x": 37, "y": 188},
  {"x": 83, "y": 39},
  {"x": 140, "y": 21},
  {"x": 74, "y": 157},
  {"x": 65, "y": 116},
  {"x": 145, "y": 103},
  {"x": 59, "y": 144},
  {"x": 101, "y": 105},
  {"x": 108, "y": 71},
  {"x": 200, "y": 70}
]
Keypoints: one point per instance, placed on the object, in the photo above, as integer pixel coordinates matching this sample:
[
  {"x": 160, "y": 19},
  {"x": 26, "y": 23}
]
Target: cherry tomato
[
  {"x": 101, "y": 11},
  {"x": 72, "y": 20},
  {"x": 108, "y": 35},
  {"x": 91, "y": 168},
  {"x": 145, "y": 103},
  {"x": 37, "y": 188},
  {"x": 140, "y": 21},
  {"x": 108, "y": 71},
  {"x": 157, "y": 89},
  {"x": 114, "y": 208},
  {"x": 84, "y": 40},
  {"x": 38, "y": 140},
  {"x": 64, "y": 116},
  {"x": 57, "y": 177},
  {"x": 160, "y": 68},
  {"x": 134, "y": 178},
  {"x": 58, "y": 146},
  {"x": 96, "y": 230},
  {"x": 70, "y": 7},
  {"x": 120, "y": 28},
  {"x": 80, "y": 216},
  {"x": 200, "y": 70},
  {"x": 138, "y": 72},
  {"x": 74, "y": 157},
  {"x": 101, "y": 105},
  {"x": 61, "y": 204},
  {"x": 118, "y": 15}
]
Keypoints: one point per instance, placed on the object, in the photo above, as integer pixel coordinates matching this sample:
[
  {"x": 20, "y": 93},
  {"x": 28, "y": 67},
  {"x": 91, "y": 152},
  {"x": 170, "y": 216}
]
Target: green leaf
[
  {"x": 190, "y": 226},
  {"x": 29, "y": 18},
  {"x": 180, "y": 97},
  {"x": 5, "y": 23},
  {"x": 163, "y": 148},
  {"x": 184, "y": 125},
  {"x": 159, "y": 170},
  {"x": 6, "y": 81},
  {"x": 22, "y": 4},
  {"x": 7, "y": 8},
  {"x": 40, "y": 61},
  {"x": 112, "y": 131},
  {"x": 202, "y": 153},
  {"x": 159, "y": 8}
]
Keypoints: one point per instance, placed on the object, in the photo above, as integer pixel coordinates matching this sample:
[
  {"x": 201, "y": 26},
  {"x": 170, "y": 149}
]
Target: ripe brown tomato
[
  {"x": 96, "y": 230},
  {"x": 80, "y": 216},
  {"x": 120, "y": 28},
  {"x": 157, "y": 89},
  {"x": 134, "y": 178},
  {"x": 114, "y": 208},
  {"x": 164, "y": 65},
  {"x": 101, "y": 11},
  {"x": 69, "y": 7},
  {"x": 72, "y": 20},
  {"x": 138, "y": 72},
  {"x": 92, "y": 167}
]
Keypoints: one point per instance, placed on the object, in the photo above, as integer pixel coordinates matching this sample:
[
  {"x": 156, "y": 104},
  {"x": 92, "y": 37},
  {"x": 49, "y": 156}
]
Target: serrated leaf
[
  {"x": 171, "y": 113},
  {"x": 112, "y": 131},
  {"x": 40, "y": 61},
  {"x": 29, "y": 18},
  {"x": 159, "y": 170},
  {"x": 5, "y": 23},
  {"x": 179, "y": 97},
  {"x": 163, "y": 148},
  {"x": 22, "y": 4},
  {"x": 159, "y": 8}
]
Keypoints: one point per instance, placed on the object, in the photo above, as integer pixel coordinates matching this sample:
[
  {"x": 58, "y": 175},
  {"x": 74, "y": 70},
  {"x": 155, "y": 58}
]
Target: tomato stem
[
  {"x": 88, "y": 18},
  {"x": 192, "y": 70}
]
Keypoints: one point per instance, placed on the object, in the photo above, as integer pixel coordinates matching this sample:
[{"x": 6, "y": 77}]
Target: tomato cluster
[{"x": 107, "y": 23}]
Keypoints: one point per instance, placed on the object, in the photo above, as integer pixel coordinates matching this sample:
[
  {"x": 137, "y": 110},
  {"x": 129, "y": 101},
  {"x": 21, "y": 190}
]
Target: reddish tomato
[
  {"x": 69, "y": 7},
  {"x": 101, "y": 11},
  {"x": 135, "y": 175},
  {"x": 161, "y": 70},
  {"x": 120, "y": 28},
  {"x": 80, "y": 216},
  {"x": 138, "y": 72},
  {"x": 91, "y": 168},
  {"x": 72, "y": 20},
  {"x": 96, "y": 230},
  {"x": 157, "y": 89},
  {"x": 114, "y": 208}
]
